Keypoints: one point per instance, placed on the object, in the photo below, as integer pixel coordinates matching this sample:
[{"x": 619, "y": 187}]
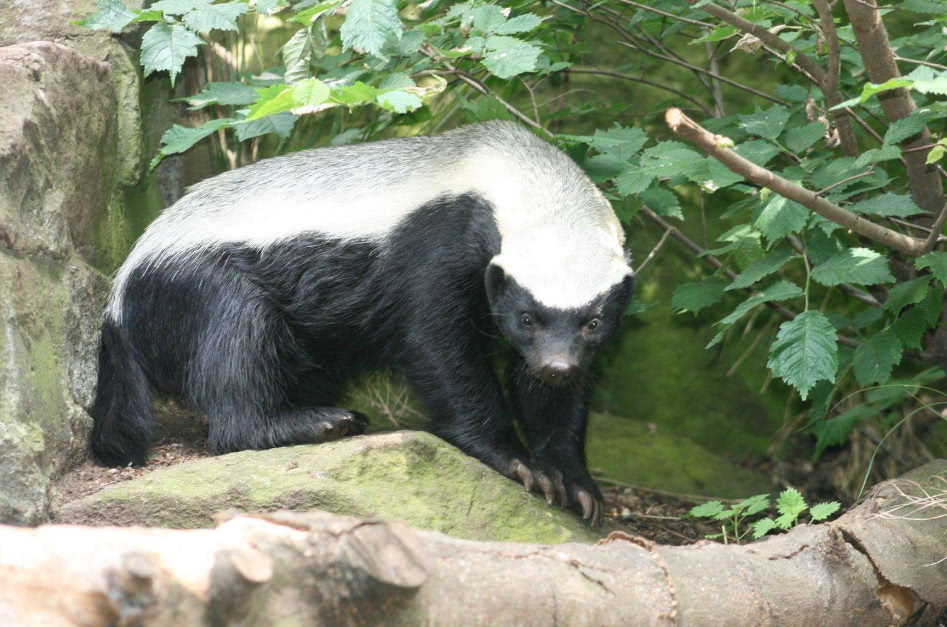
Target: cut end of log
[{"x": 674, "y": 118}]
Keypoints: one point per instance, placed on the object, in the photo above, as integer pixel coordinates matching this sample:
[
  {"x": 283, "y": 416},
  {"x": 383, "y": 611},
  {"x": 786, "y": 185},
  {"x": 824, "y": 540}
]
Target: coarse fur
[{"x": 265, "y": 290}]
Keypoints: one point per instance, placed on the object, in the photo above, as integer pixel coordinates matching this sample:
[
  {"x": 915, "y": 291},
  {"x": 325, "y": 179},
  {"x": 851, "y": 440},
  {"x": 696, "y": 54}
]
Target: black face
[{"x": 557, "y": 344}]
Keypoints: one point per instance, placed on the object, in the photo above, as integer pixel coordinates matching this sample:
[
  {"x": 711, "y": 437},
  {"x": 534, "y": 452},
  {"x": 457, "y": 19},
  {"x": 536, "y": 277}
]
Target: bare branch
[
  {"x": 713, "y": 145},
  {"x": 936, "y": 66},
  {"x": 654, "y": 251},
  {"x": 645, "y": 7}
]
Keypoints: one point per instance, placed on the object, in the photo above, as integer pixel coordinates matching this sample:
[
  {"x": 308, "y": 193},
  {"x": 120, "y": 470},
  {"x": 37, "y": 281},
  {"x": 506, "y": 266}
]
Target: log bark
[{"x": 882, "y": 563}]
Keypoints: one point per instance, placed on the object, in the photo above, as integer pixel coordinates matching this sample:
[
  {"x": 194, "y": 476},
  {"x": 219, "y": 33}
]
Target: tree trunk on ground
[{"x": 882, "y": 563}]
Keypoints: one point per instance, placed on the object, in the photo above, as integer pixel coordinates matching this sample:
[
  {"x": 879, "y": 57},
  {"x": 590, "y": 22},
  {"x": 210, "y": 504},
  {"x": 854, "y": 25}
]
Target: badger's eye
[
  {"x": 592, "y": 324},
  {"x": 526, "y": 320}
]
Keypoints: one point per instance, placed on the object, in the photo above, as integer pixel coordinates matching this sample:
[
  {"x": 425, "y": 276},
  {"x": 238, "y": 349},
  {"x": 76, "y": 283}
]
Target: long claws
[
  {"x": 586, "y": 502},
  {"x": 546, "y": 484},
  {"x": 525, "y": 475}
]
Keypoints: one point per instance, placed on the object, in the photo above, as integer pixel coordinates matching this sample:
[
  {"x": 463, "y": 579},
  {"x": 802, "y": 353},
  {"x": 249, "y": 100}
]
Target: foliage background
[{"x": 821, "y": 345}]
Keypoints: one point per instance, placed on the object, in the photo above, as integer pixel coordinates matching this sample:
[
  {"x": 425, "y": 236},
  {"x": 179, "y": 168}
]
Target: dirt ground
[{"x": 182, "y": 436}]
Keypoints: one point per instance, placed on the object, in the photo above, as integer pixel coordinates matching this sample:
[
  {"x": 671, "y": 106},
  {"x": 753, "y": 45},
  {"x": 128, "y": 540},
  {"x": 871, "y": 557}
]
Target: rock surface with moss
[{"x": 409, "y": 476}]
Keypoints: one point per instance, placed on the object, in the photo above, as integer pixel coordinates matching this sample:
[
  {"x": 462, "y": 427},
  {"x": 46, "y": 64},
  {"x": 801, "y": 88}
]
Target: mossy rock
[
  {"x": 409, "y": 476},
  {"x": 650, "y": 455}
]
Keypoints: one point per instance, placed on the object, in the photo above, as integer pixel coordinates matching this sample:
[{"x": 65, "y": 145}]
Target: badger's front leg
[{"x": 554, "y": 420}]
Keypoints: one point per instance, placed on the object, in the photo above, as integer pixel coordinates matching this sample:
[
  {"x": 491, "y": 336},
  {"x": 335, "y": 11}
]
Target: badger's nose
[{"x": 558, "y": 372}]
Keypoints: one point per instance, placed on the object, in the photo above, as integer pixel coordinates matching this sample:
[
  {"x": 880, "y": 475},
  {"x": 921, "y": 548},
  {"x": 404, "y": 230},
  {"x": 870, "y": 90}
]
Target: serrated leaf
[
  {"x": 280, "y": 123},
  {"x": 762, "y": 527},
  {"x": 178, "y": 7},
  {"x": 790, "y": 502},
  {"x": 754, "y": 504},
  {"x": 799, "y": 138},
  {"x": 805, "y": 351},
  {"x": 835, "y": 432},
  {"x": 781, "y": 290},
  {"x": 762, "y": 267},
  {"x": 822, "y": 511},
  {"x": 694, "y": 297},
  {"x": 112, "y": 15},
  {"x": 876, "y": 357},
  {"x": 663, "y": 202},
  {"x": 758, "y": 151},
  {"x": 860, "y": 266},
  {"x": 354, "y": 94},
  {"x": 215, "y": 17},
  {"x": 706, "y": 510},
  {"x": 369, "y": 24},
  {"x": 223, "y": 94},
  {"x": 508, "y": 56},
  {"x": 397, "y": 80},
  {"x": 768, "y": 123},
  {"x": 907, "y": 293},
  {"x": 622, "y": 142},
  {"x": 179, "y": 138},
  {"x": 166, "y": 46},
  {"x": 633, "y": 180},
  {"x": 297, "y": 54},
  {"x": 887, "y": 152},
  {"x": 936, "y": 154},
  {"x": 300, "y": 98},
  {"x": 519, "y": 24},
  {"x": 902, "y": 129},
  {"x": 937, "y": 262},
  {"x": 308, "y": 16},
  {"x": 487, "y": 18},
  {"x": 910, "y": 327},
  {"x": 781, "y": 217},
  {"x": 889, "y": 205},
  {"x": 399, "y": 101},
  {"x": 269, "y": 7}
]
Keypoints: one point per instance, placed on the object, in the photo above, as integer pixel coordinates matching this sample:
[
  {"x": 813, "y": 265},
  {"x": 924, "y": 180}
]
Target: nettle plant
[
  {"x": 817, "y": 152},
  {"x": 745, "y": 518}
]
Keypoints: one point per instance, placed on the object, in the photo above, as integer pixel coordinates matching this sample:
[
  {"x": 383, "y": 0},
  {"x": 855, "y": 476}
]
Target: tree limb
[
  {"x": 830, "y": 81},
  {"x": 881, "y": 65},
  {"x": 714, "y": 145},
  {"x": 881, "y": 563}
]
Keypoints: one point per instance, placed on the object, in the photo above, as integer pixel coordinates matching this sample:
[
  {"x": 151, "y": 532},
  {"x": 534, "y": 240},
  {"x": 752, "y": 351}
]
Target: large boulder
[
  {"x": 56, "y": 130},
  {"x": 409, "y": 476}
]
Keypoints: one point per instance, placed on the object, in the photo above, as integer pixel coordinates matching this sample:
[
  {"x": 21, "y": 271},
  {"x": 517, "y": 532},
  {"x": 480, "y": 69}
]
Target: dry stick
[
  {"x": 936, "y": 66},
  {"x": 643, "y": 81},
  {"x": 654, "y": 252},
  {"x": 715, "y": 145}
]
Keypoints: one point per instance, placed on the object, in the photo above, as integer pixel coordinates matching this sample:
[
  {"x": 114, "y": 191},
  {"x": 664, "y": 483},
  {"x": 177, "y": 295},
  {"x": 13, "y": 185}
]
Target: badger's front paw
[{"x": 577, "y": 491}]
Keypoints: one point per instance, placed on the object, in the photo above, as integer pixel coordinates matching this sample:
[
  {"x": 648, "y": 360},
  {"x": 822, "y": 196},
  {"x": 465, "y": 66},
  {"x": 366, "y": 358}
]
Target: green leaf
[
  {"x": 633, "y": 180},
  {"x": 790, "y": 505},
  {"x": 937, "y": 262},
  {"x": 766, "y": 123},
  {"x": 754, "y": 504},
  {"x": 519, "y": 24},
  {"x": 215, "y": 17},
  {"x": 269, "y": 7},
  {"x": 762, "y": 267},
  {"x": 805, "y": 351},
  {"x": 874, "y": 155},
  {"x": 280, "y": 123},
  {"x": 399, "y": 101},
  {"x": 799, "y": 138},
  {"x": 762, "y": 527},
  {"x": 860, "y": 266},
  {"x": 871, "y": 89},
  {"x": 508, "y": 56},
  {"x": 223, "y": 94},
  {"x": 910, "y": 327},
  {"x": 907, "y": 293},
  {"x": 355, "y": 94},
  {"x": 301, "y": 98},
  {"x": 706, "y": 510},
  {"x": 781, "y": 290},
  {"x": 835, "y": 432},
  {"x": 936, "y": 153},
  {"x": 488, "y": 18},
  {"x": 662, "y": 201},
  {"x": 781, "y": 217},
  {"x": 823, "y": 510},
  {"x": 112, "y": 15},
  {"x": 297, "y": 54},
  {"x": 758, "y": 151},
  {"x": 178, "y": 7},
  {"x": 308, "y": 16},
  {"x": 875, "y": 358},
  {"x": 889, "y": 205},
  {"x": 924, "y": 6},
  {"x": 622, "y": 142},
  {"x": 694, "y": 297},
  {"x": 668, "y": 159},
  {"x": 179, "y": 138},
  {"x": 166, "y": 46},
  {"x": 902, "y": 129},
  {"x": 369, "y": 24}
]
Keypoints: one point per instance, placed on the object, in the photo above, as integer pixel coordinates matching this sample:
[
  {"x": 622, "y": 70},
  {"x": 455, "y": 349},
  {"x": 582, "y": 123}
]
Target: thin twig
[
  {"x": 643, "y": 81},
  {"x": 823, "y": 191},
  {"x": 654, "y": 251},
  {"x": 645, "y": 7},
  {"x": 936, "y": 66}
]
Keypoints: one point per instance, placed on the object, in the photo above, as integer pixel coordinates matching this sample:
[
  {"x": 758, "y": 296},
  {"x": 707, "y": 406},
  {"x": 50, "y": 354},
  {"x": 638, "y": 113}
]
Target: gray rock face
[
  {"x": 409, "y": 476},
  {"x": 57, "y": 133}
]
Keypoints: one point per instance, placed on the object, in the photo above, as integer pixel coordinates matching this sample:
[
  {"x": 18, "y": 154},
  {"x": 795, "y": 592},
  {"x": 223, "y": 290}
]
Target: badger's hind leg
[{"x": 309, "y": 425}]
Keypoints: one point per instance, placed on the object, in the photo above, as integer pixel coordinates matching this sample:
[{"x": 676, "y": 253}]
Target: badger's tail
[{"x": 123, "y": 422}]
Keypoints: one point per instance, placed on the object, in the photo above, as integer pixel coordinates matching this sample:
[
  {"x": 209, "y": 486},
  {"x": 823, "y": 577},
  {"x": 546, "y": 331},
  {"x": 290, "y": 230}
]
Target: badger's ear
[{"x": 494, "y": 281}]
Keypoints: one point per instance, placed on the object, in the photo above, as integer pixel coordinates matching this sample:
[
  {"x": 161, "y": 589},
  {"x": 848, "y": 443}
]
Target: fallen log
[{"x": 884, "y": 562}]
